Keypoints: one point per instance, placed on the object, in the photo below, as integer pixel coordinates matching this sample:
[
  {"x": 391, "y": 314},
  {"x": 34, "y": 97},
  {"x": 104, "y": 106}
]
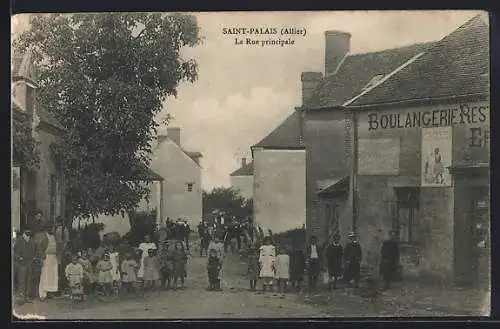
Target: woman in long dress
[
  {"x": 267, "y": 260},
  {"x": 144, "y": 247},
  {"x": 49, "y": 277}
]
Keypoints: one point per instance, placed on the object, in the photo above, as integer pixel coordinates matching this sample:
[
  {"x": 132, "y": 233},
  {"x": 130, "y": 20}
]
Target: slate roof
[
  {"x": 246, "y": 170},
  {"x": 286, "y": 135},
  {"x": 356, "y": 71},
  {"x": 457, "y": 65}
]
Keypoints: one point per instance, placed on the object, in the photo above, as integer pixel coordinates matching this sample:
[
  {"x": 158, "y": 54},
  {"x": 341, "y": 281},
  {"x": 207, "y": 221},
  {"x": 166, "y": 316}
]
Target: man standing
[
  {"x": 334, "y": 254},
  {"x": 39, "y": 235},
  {"x": 24, "y": 256},
  {"x": 389, "y": 260},
  {"x": 352, "y": 258},
  {"x": 313, "y": 253}
]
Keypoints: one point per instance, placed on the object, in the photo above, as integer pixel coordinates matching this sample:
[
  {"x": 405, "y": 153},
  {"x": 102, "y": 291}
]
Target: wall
[
  {"x": 153, "y": 202},
  {"x": 244, "y": 184},
  {"x": 378, "y": 176},
  {"x": 47, "y": 168},
  {"x": 324, "y": 138},
  {"x": 279, "y": 189},
  {"x": 178, "y": 169}
]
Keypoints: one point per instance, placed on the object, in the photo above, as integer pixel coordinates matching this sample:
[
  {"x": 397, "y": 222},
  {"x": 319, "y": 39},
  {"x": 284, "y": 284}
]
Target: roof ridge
[{"x": 429, "y": 43}]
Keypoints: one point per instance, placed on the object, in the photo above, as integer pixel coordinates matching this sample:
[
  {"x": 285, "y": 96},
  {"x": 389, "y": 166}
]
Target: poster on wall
[
  {"x": 379, "y": 156},
  {"x": 436, "y": 156},
  {"x": 16, "y": 199}
]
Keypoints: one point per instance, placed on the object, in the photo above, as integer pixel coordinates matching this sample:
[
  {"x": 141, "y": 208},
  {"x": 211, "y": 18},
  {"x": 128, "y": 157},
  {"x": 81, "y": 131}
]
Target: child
[
  {"x": 165, "y": 265},
  {"x": 179, "y": 259},
  {"x": 88, "y": 272},
  {"x": 297, "y": 266},
  {"x": 213, "y": 268},
  {"x": 151, "y": 267},
  {"x": 282, "y": 267},
  {"x": 253, "y": 268},
  {"x": 114, "y": 257},
  {"x": 129, "y": 269},
  {"x": 105, "y": 277},
  {"x": 74, "y": 275}
]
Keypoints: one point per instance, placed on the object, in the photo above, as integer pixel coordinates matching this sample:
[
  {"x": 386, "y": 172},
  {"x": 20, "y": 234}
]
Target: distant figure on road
[
  {"x": 214, "y": 266},
  {"x": 253, "y": 268},
  {"x": 267, "y": 260},
  {"x": 334, "y": 253},
  {"x": 389, "y": 260},
  {"x": 352, "y": 258}
]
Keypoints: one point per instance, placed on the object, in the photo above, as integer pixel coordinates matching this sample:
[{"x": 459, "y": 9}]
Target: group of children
[
  {"x": 286, "y": 266},
  {"x": 114, "y": 272}
]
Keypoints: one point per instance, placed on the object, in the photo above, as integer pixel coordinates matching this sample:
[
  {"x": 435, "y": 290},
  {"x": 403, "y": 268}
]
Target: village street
[{"x": 235, "y": 301}]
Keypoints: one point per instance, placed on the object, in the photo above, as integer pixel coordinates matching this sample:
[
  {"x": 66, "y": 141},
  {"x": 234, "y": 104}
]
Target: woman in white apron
[{"x": 50, "y": 275}]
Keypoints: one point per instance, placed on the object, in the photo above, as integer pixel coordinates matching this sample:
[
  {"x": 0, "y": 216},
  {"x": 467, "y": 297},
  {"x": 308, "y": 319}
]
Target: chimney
[
  {"x": 337, "y": 45},
  {"x": 310, "y": 81},
  {"x": 174, "y": 134},
  {"x": 243, "y": 162}
]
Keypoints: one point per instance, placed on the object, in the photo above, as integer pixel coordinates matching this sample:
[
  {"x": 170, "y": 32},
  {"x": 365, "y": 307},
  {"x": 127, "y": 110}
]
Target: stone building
[
  {"x": 423, "y": 158},
  {"x": 242, "y": 179},
  {"x": 323, "y": 127},
  {"x": 279, "y": 162},
  {"x": 42, "y": 188},
  {"x": 181, "y": 171}
]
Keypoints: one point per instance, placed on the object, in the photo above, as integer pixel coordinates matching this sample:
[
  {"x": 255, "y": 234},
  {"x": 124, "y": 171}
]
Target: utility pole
[{"x": 355, "y": 171}]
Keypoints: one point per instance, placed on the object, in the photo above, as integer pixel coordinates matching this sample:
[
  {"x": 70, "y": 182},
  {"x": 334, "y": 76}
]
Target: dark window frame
[
  {"x": 407, "y": 198},
  {"x": 190, "y": 187}
]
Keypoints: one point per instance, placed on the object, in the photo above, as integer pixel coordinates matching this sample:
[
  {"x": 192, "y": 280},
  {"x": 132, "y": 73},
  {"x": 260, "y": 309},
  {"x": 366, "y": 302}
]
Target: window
[
  {"x": 30, "y": 99},
  {"x": 53, "y": 197},
  {"x": 481, "y": 218},
  {"x": 405, "y": 209},
  {"x": 373, "y": 81},
  {"x": 190, "y": 187}
]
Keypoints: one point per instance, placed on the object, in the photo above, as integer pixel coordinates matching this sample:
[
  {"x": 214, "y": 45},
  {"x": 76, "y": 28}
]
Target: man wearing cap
[
  {"x": 24, "y": 256},
  {"x": 389, "y": 260},
  {"x": 352, "y": 258}
]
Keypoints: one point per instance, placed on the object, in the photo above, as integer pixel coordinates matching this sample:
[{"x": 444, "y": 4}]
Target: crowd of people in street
[
  {"x": 278, "y": 266},
  {"x": 46, "y": 264}
]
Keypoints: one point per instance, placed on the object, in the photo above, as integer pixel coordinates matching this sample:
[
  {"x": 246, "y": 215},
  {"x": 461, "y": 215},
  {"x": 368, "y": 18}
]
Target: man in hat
[
  {"x": 389, "y": 260},
  {"x": 24, "y": 256},
  {"x": 352, "y": 259}
]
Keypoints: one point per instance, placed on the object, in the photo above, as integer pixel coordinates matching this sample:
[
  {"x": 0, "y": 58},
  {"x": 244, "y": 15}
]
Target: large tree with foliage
[
  {"x": 105, "y": 77},
  {"x": 227, "y": 200}
]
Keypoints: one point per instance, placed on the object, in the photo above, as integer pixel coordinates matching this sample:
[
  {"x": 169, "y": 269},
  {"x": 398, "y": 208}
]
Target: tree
[
  {"x": 227, "y": 200},
  {"x": 105, "y": 77},
  {"x": 25, "y": 152}
]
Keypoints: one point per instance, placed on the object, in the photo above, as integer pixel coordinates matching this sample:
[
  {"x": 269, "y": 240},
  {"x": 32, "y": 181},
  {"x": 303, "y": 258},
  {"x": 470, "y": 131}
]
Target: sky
[{"x": 244, "y": 92}]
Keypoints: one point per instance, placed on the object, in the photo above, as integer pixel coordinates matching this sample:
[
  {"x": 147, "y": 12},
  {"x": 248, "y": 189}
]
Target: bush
[
  {"x": 295, "y": 238},
  {"x": 141, "y": 223}
]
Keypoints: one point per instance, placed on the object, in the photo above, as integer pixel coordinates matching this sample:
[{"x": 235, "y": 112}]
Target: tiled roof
[
  {"x": 246, "y": 170},
  {"x": 357, "y": 70},
  {"x": 456, "y": 65},
  {"x": 286, "y": 135}
]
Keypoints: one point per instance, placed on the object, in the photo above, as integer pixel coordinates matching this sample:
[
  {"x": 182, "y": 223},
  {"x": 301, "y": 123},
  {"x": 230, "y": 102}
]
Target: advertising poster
[{"x": 436, "y": 156}]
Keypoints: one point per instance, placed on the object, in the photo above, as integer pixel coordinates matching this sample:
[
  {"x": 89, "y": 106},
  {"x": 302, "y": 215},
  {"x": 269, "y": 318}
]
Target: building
[
  {"x": 323, "y": 127},
  {"x": 242, "y": 179},
  {"x": 279, "y": 162},
  {"x": 181, "y": 170},
  {"x": 120, "y": 222},
  {"x": 422, "y": 144},
  {"x": 41, "y": 188}
]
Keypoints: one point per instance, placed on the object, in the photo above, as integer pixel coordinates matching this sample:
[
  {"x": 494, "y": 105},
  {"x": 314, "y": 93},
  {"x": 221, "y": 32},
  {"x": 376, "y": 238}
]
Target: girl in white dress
[
  {"x": 267, "y": 260},
  {"x": 144, "y": 247},
  {"x": 114, "y": 257},
  {"x": 282, "y": 269}
]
